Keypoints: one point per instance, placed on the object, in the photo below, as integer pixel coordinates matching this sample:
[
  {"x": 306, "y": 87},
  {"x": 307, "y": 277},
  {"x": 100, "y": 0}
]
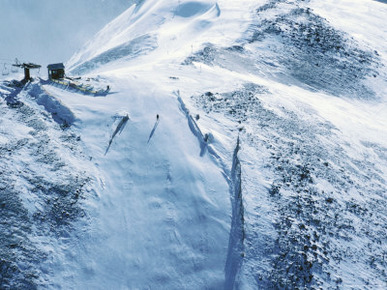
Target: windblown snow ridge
[
  {"x": 234, "y": 179},
  {"x": 139, "y": 46}
]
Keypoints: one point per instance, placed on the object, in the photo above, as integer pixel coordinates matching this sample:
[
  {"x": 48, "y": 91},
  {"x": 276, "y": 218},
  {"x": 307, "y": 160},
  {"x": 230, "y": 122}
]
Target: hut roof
[{"x": 56, "y": 66}]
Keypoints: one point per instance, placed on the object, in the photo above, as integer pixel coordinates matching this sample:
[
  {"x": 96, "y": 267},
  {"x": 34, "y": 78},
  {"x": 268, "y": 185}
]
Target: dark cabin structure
[{"x": 56, "y": 71}]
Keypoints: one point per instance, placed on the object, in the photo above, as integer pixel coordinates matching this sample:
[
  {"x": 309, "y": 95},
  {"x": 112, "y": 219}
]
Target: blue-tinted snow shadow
[
  {"x": 191, "y": 9},
  {"x": 14, "y": 88},
  {"x": 59, "y": 112}
]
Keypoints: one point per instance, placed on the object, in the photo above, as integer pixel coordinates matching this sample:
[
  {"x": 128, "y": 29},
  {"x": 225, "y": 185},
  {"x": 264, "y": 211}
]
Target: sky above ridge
[{"x": 50, "y": 31}]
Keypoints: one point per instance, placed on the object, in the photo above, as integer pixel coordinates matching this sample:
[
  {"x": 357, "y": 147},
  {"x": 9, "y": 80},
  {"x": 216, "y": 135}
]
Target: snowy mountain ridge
[{"x": 242, "y": 146}]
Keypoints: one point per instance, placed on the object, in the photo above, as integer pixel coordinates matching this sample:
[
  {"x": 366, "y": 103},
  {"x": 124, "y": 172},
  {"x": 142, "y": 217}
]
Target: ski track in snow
[{"x": 268, "y": 171}]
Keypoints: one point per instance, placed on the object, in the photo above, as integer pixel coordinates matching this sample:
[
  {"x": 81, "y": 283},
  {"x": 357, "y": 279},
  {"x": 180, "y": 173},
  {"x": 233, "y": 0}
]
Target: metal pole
[{"x": 27, "y": 76}]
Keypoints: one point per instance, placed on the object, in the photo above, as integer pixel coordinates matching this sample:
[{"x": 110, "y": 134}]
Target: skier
[{"x": 154, "y": 127}]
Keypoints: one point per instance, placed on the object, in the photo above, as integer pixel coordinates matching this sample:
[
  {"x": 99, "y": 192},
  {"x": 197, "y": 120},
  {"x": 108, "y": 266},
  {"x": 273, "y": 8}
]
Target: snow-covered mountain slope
[
  {"x": 242, "y": 146},
  {"x": 161, "y": 217},
  {"x": 41, "y": 180}
]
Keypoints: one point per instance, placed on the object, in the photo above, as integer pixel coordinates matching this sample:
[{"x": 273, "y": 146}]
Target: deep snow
[{"x": 265, "y": 169}]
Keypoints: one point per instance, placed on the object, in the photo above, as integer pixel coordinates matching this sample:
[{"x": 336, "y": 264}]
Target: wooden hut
[{"x": 56, "y": 71}]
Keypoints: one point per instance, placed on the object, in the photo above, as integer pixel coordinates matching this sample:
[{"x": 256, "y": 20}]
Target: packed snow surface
[{"x": 240, "y": 145}]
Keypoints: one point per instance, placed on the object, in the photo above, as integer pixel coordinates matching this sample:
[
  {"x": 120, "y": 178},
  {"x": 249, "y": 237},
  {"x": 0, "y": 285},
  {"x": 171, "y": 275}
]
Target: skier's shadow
[{"x": 153, "y": 130}]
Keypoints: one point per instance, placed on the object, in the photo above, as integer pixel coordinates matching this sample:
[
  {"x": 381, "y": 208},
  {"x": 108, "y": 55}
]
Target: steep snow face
[
  {"x": 173, "y": 28},
  {"x": 241, "y": 147}
]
